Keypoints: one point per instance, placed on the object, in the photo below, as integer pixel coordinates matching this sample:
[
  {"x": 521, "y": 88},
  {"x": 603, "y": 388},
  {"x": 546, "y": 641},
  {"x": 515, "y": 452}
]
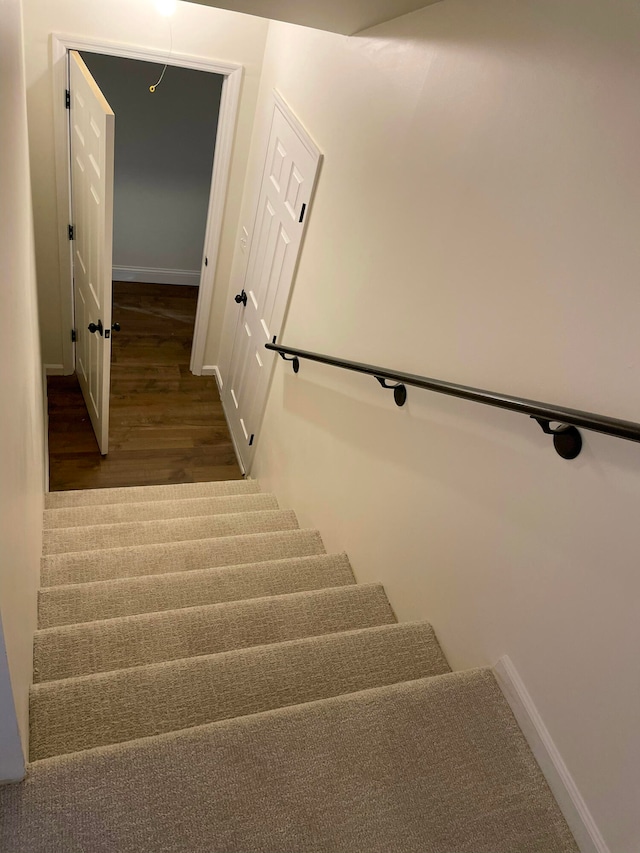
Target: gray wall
[{"x": 163, "y": 162}]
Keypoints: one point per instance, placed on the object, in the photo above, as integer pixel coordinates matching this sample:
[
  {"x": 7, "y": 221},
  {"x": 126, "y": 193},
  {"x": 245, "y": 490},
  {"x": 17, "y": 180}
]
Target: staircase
[{"x": 207, "y": 678}]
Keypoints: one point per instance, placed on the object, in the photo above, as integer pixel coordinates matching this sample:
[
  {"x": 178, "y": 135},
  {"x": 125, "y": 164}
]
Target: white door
[
  {"x": 291, "y": 166},
  {"x": 92, "y": 150}
]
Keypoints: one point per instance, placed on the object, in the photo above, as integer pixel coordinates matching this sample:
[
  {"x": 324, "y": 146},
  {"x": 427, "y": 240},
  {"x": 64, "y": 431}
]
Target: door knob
[
  {"x": 241, "y": 298},
  {"x": 116, "y": 326},
  {"x": 96, "y": 328}
]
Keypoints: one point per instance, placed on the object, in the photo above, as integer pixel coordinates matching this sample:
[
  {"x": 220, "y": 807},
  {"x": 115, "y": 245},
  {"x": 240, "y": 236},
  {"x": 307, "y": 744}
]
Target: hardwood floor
[{"x": 167, "y": 426}]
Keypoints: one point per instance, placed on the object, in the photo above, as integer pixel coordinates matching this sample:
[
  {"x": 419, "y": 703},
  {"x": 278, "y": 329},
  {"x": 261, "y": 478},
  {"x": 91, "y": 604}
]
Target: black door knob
[
  {"x": 241, "y": 298},
  {"x": 96, "y": 328},
  {"x": 116, "y": 326}
]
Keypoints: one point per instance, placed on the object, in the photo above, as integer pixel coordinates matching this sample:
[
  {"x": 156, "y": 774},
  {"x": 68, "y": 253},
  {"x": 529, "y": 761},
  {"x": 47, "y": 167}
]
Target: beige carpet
[
  {"x": 154, "y": 559},
  {"x": 96, "y": 537},
  {"x": 109, "y": 707},
  {"x": 138, "y": 494},
  {"x": 431, "y": 766},
  {"x": 128, "y": 641},
  {"x": 209, "y": 679},
  {"x": 85, "y": 602},
  {"x": 78, "y": 516}
]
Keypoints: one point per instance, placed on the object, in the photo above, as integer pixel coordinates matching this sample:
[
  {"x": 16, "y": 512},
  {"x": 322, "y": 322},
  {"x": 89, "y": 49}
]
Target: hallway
[{"x": 167, "y": 426}]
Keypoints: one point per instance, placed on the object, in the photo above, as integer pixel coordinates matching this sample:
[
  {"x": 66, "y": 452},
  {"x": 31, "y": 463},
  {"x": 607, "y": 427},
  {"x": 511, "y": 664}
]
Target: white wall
[
  {"x": 163, "y": 160},
  {"x": 196, "y": 30},
  {"x": 21, "y": 413},
  {"x": 476, "y": 220}
]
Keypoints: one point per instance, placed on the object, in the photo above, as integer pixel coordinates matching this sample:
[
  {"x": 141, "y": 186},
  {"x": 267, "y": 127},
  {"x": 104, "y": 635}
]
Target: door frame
[{"x": 229, "y": 103}]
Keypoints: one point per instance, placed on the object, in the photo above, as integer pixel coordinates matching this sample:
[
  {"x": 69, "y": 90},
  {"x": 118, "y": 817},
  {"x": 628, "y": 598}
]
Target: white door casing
[
  {"x": 92, "y": 130},
  {"x": 291, "y": 167}
]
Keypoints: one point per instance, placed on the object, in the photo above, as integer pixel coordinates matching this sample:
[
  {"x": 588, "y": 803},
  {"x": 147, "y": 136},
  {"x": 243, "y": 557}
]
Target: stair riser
[
  {"x": 136, "y": 494},
  {"x": 76, "y": 714},
  {"x": 146, "y": 560},
  {"x": 106, "y": 536},
  {"x": 66, "y": 605},
  {"x": 139, "y": 640},
  {"x": 153, "y": 510}
]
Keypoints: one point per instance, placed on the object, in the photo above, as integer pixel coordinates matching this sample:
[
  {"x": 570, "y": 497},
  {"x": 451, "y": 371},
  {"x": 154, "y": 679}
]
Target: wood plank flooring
[{"x": 167, "y": 426}]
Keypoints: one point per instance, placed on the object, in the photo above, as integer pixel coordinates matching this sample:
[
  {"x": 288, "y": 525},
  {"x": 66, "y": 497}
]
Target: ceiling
[{"x": 339, "y": 16}]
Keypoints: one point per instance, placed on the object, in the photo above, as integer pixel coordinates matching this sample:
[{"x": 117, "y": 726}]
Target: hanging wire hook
[{"x": 157, "y": 83}]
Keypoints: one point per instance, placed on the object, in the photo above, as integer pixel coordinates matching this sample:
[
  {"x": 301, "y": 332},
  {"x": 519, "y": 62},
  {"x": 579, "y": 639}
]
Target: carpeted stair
[{"x": 207, "y": 678}]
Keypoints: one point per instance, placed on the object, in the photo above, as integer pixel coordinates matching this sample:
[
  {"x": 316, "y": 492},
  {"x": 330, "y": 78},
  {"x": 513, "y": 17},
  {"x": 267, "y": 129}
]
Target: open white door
[
  {"x": 291, "y": 166},
  {"x": 92, "y": 153}
]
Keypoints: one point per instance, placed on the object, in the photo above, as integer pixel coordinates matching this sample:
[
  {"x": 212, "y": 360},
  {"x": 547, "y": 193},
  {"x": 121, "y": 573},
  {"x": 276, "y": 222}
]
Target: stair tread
[
  {"x": 130, "y": 641},
  {"x": 151, "y": 510},
  {"x": 158, "y": 558},
  {"x": 135, "y": 494},
  {"x": 86, "y": 602},
  {"x": 98, "y": 537},
  {"x": 416, "y": 767},
  {"x": 94, "y": 710}
]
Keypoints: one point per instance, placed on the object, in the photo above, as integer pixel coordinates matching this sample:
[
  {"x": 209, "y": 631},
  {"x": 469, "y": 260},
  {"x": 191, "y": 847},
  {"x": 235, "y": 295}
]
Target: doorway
[
  {"x": 162, "y": 154},
  {"x": 229, "y": 103},
  {"x": 167, "y": 423}
]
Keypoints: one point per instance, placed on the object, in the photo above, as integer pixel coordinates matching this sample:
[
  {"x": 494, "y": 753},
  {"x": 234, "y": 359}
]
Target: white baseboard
[
  {"x": 212, "y": 370},
  {"x": 151, "y": 275},
  {"x": 235, "y": 446},
  {"x": 555, "y": 771},
  {"x": 54, "y": 369}
]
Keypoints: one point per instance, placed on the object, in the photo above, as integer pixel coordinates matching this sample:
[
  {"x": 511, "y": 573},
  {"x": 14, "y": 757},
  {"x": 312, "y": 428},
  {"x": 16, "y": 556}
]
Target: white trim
[
  {"x": 241, "y": 464},
  {"x": 300, "y": 130},
  {"x": 213, "y": 370},
  {"x": 555, "y": 771},
  {"x": 54, "y": 369},
  {"x": 227, "y": 116},
  {"x": 229, "y": 102},
  {"x": 158, "y": 275},
  {"x": 218, "y": 378},
  {"x": 60, "y": 82}
]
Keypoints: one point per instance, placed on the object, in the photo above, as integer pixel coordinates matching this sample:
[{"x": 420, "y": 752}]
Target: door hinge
[
  {"x": 251, "y": 439},
  {"x": 302, "y": 212},
  {"x": 74, "y": 336},
  {"x": 72, "y": 232},
  {"x": 67, "y": 99}
]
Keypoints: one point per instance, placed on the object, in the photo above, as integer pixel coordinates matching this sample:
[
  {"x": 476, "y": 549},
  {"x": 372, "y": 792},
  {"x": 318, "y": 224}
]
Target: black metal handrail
[{"x": 566, "y": 438}]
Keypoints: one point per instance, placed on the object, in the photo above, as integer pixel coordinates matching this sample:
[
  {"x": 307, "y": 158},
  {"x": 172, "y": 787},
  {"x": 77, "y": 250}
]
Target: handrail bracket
[
  {"x": 295, "y": 361},
  {"x": 566, "y": 438},
  {"x": 399, "y": 390}
]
